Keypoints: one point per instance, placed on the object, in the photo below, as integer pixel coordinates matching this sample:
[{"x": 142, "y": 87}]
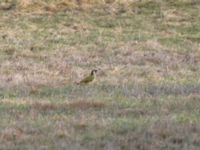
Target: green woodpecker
[{"x": 89, "y": 78}]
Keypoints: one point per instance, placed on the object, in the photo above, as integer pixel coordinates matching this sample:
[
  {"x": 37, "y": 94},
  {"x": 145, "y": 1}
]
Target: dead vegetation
[
  {"x": 48, "y": 106},
  {"x": 56, "y": 6},
  {"x": 146, "y": 95}
]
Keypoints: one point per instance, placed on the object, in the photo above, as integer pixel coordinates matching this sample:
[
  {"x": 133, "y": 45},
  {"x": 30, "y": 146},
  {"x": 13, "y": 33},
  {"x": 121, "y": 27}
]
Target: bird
[{"x": 89, "y": 78}]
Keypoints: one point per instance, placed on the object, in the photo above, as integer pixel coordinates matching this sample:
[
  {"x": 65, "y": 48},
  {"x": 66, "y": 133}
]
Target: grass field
[{"x": 147, "y": 92}]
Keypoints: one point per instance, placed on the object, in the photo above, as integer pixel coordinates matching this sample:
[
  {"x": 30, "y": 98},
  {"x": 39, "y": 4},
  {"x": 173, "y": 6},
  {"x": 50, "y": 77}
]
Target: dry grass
[
  {"x": 56, "y": 6},
  {"x": 45, "y": 105},
  {"x": 146, "y": 95}
]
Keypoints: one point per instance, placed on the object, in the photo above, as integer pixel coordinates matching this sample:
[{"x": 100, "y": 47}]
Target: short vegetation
[{"x": 147, "y": 92}]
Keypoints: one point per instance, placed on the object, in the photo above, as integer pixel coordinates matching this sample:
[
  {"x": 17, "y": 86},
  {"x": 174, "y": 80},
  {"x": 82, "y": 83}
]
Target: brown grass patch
[
  {"x": 46, "y": 105},
  {"x": 10, "y": 134},
  {"x": 85, "y": 104},
  {"x": 54, "y": 6},
  {"x": 81, "y": 125},
  {"x": 80, "y": 104}
]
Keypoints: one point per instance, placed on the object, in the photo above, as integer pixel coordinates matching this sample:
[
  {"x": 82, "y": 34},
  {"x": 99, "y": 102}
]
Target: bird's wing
[{"x": 87, "y": 79}]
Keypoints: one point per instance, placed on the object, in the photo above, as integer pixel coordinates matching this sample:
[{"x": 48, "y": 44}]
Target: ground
[{"x": 147, "y": 92}]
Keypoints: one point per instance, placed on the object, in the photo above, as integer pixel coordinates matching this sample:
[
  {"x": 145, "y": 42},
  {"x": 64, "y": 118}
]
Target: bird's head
[{"x": 93, "y": 72}]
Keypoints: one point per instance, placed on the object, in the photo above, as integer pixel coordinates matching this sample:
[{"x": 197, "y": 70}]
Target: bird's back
[{"x": 87, "y": 79}]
